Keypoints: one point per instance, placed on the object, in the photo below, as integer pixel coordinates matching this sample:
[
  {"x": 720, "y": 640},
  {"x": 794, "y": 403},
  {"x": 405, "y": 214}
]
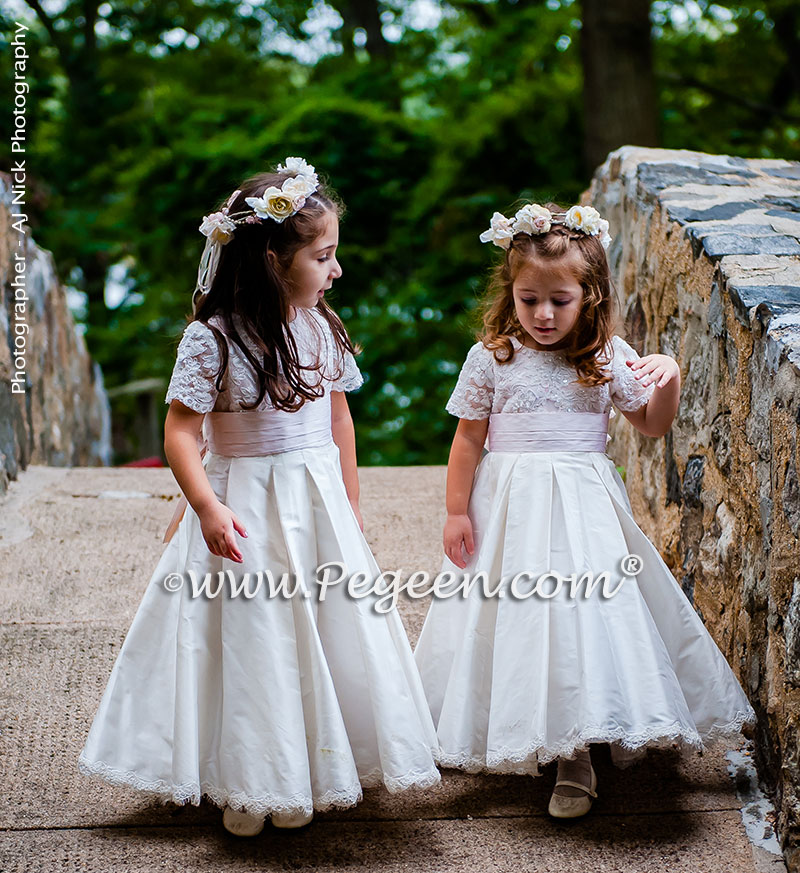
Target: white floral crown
[
  {"x": 275, "y": 203},
  {"x": 534, "y": 219}
]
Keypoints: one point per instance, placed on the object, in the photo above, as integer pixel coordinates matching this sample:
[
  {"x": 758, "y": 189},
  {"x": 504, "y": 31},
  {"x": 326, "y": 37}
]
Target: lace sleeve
[
  {"x": 351, "y": 377},
  {"x": 194, "y": 374},
  {"x": 627, "y": 392},
  {"x": 474, "y": 391}
]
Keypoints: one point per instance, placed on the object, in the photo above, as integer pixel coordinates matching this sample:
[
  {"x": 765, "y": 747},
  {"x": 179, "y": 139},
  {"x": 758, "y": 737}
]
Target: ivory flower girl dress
[
  {"x": 283, "y": 704},
  {"x": 512, "y": 682}
]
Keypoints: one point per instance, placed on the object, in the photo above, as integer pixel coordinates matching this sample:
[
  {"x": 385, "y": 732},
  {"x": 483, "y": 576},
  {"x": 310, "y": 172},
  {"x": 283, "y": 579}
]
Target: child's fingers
[
  {"x": 225, "y": 547},
  {"x": 453, "y": 552},
  {"x": 462, "y": 546},
  {"x": 231, "y": 548},
  {"x": 469, "y": 542},
  {"x": 657, "y": 373},
  {"x": 645, "y": 363},
  {"x": 238, "y": 526}
]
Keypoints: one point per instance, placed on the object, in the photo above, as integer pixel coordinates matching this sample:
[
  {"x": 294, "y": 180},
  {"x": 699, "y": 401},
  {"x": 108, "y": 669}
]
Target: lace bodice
[
  {"x": 198, "y": 359},
  {"x": 542, "y": 381}
]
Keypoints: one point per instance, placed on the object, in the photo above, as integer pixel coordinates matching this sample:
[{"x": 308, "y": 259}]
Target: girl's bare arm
[
  {"x": 465, "y": 453},
  {"x": 218, "y": 523},
  {"x": 345, "y": 438},
  {"x": 181, "y": 432},
  {"x": 656, "y": 417}
]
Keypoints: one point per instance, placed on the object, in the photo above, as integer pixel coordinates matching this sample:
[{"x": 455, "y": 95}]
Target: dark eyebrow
[
  {"x": 325, "y": 249},
  {"x": 557, "y": 291}
]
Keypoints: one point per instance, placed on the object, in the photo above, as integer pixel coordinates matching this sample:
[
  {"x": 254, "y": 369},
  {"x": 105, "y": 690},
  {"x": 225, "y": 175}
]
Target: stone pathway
[{"x": 77, "y": 548}]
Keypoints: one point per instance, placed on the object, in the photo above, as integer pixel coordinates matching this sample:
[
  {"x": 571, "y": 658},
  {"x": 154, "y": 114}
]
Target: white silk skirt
[
  {"x": 280, "y": 704},
  {"x": 514, "y": 681}
]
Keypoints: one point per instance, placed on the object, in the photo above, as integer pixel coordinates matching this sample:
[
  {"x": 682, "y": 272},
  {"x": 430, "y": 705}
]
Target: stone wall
[
  {"x": 706, "y": 260},
  {"x": 62, "y": 417}
]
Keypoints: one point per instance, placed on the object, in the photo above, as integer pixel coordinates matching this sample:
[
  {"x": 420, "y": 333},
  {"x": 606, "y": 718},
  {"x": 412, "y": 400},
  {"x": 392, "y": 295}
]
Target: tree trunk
[
  {"x": 365, "y": 14},
  {"x": 618, "y": 89}
]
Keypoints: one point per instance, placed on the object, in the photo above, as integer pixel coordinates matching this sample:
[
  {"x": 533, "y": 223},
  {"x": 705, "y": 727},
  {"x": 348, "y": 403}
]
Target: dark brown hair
[
  {"x": 253, "y": 285},
  {"x": 594, "y": 326}
]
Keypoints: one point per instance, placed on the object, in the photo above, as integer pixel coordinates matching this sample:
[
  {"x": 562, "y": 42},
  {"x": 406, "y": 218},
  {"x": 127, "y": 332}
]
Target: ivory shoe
[
  {"x": 290, "y": 819},
  {"x": 242, "y": 823},
  {"x": 562, "y": 806}
]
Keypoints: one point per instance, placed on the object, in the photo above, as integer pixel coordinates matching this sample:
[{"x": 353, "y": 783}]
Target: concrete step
[{"x": 77, "y": 549}]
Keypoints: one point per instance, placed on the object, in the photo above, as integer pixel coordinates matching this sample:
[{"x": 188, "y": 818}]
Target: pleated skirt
[
  {"x": 267, "y": 704},
  {"x": 514, "y": 681}
]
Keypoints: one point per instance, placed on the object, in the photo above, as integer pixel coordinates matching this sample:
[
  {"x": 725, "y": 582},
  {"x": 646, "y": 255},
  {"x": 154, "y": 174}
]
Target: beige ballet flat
[
  {"x": 242, "y": 824},
  {"x": 572, "y": 807},
  {"x": 290, "y": 819}
]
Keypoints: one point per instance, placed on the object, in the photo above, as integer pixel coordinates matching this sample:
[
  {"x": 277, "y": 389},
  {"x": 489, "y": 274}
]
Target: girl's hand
[
  {"x": 458, "y": 536},
  {"x": 662, "y": 367},
  {"x": 357, "y": 511},
  {"x": 218, "y": 524}
]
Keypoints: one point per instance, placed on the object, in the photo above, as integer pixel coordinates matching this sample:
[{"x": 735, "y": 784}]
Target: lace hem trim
[
  {"x": 193, "y": 792},
  {"x": 525, "y": 761},
  {"x": 416, "y": 779}
]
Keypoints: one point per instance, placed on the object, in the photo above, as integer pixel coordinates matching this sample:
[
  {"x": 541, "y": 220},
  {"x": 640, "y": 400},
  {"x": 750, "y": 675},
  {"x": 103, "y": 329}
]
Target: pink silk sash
[
  {"x": 258, "y": 432},
  {"x": 548, "y": 431}
]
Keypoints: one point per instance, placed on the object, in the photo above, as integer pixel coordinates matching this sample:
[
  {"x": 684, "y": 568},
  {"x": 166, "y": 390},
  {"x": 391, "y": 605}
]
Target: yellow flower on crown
[{"x": 275, "y": 203}]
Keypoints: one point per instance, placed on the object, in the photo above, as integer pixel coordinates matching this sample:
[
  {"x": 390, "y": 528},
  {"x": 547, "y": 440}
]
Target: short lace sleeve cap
[
  {"x": 627, "y": 392},
  {"x": 195, "y": 371},
  {"x": 472, "y": 397},
  {"x": 350, "y": 377}
]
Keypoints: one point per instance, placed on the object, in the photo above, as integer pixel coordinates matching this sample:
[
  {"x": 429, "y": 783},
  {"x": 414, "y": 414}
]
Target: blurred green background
[{"x": 426, "y": 116}]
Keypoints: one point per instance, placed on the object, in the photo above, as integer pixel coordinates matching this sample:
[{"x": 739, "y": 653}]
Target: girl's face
[
  {"x": 314, "y": 267},
  {"x": 547, "y": 302}
]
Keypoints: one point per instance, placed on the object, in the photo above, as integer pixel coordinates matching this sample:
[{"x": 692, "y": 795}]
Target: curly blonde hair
[{"x": 595, "y": 324}]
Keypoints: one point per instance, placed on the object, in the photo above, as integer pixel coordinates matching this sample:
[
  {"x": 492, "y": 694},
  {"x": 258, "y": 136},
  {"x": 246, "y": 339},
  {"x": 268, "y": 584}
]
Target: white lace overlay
[
  {"x": 193, "y": 380},
  {"x": 540, "y": 381}
]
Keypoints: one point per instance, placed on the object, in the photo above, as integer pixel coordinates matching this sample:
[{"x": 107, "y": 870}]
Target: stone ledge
[
  {"x": 705, "y": 259},
  {"x": 743, "y": 215}
]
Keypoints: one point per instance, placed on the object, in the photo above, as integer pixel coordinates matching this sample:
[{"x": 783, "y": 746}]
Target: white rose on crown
[
  {"x": 500, "y": 231},
  {"x": 532, "y": 219},
  {"x": 584, "y": 218},
  {"x": 300, "y": 186},
  {"x": 218, "y": 228},
  {"x": 280, "y": 203},
  {"x": 297, "y": 165}
]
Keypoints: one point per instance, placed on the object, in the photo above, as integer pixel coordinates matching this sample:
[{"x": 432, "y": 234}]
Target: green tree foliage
[{"x": 145, "y": 115}]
